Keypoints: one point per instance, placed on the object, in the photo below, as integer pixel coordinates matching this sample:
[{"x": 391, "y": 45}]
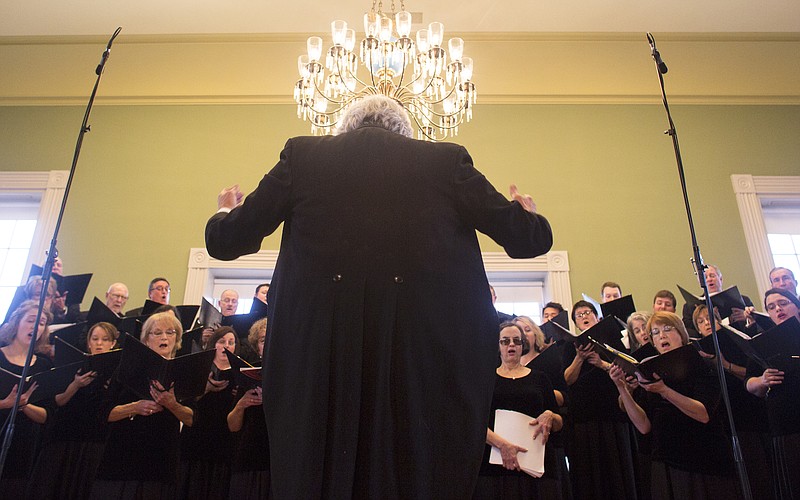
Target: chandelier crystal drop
[{"x": 433, "y": 84}]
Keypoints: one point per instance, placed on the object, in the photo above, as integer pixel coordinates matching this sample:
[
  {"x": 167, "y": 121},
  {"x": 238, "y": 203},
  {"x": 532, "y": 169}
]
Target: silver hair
[{"x": 377, "y": 110}]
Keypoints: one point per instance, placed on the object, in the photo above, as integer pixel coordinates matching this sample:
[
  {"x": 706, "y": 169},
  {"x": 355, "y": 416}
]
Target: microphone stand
[
  {"x": 699, "y": 269},
  {"x": 51, "y": 256}
]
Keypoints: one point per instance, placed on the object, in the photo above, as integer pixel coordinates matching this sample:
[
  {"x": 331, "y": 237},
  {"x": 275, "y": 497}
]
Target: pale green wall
[{"x": 604, "y": 175}]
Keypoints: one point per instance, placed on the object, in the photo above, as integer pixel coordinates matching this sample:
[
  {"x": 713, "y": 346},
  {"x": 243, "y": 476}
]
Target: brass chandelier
[{"x": 436, "y": 90}]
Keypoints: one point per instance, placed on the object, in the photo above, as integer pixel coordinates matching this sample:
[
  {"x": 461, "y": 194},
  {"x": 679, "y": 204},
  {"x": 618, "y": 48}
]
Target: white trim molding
[
  {"x": 51, "y": 185},
  {"x": 552, "y": 268},
  {"x": 750, "y": 190}
]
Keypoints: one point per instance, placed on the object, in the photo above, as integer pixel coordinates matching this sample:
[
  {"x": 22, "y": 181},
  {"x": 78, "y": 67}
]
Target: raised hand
[{"x": 524, "y": 199}]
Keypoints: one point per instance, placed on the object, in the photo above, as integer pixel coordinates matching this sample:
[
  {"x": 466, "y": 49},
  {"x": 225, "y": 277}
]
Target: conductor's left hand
[
  {"x": 230, "y": 197},
  {"x": 523, "y": 199}
]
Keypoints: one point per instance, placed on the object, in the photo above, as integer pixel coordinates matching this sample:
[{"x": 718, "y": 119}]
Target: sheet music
[{"x": 513, "y": 426}]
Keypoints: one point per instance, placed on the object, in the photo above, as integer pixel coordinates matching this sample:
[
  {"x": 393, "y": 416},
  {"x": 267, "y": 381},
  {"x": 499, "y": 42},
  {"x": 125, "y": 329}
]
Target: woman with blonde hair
[
  {"x": 15, "y": 338},
  {"x": 141, "y": 456}
]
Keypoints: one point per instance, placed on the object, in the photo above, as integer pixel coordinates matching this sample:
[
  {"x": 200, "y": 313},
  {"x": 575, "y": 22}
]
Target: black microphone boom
[
  {"x": 106, "y": 53},
  {"x": 662, "y": 68},
  {"x": 51, "y": 255}
]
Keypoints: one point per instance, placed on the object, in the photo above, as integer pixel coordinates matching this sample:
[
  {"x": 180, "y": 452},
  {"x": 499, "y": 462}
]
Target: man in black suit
[{"x": 382, "y": 342}]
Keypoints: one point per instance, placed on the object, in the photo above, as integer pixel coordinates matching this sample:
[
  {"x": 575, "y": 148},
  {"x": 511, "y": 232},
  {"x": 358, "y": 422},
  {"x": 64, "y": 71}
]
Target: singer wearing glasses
[
  {"x": 527, "y": 391},
  {"x": 781, "y": 389},
  {"x": 141, "y": 457},
  {"x": 601, "y": 446}
]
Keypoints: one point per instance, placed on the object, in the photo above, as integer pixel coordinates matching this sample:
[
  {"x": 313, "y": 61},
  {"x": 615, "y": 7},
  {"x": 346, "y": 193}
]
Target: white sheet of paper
[{"x": 513, "y": 426}]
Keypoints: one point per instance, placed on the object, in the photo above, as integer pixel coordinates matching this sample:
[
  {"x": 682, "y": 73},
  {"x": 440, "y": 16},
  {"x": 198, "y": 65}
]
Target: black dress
[
  {"x": 549, "y": 362},
  {"x": 783, "y": 409},
  {"x": 206, "y": 448},
  {"x": 250, "y": 464},
  {"x": 27, "y": 436},
  {"x": 73, "y": 447},
  {"x": 691, "y": 460},
  {"x": 531, "y": 395},
  {"x": 601, "y": 447},
  {"x": 749, "y": 416},
  {"x": 141, "y": 456}
]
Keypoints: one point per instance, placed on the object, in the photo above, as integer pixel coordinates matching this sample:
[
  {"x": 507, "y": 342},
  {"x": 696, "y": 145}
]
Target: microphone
[
  {"x": 106, "y": 52},
  {"x": 662, "y": 68}
]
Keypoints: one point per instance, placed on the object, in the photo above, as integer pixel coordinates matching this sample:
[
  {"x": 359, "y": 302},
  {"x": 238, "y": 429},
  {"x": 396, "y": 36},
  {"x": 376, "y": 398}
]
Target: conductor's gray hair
[{"x": 377, "y": 110}]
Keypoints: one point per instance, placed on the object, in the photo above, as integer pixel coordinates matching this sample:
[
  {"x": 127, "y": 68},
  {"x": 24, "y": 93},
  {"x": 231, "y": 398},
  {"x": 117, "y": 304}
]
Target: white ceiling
[{"x": 140, "y": 17}]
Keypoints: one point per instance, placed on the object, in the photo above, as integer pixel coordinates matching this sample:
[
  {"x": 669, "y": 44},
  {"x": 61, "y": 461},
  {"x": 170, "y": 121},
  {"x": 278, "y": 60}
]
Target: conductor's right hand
[{"x": 230, "y": 198}]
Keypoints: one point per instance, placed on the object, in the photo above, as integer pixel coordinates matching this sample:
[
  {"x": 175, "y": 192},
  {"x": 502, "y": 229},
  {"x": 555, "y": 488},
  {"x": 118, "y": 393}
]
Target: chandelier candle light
[{"x": 437, "y": 93}]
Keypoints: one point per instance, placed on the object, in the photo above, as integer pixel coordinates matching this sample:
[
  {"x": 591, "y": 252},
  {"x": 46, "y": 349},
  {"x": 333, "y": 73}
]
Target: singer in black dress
[
  {"x": 141, "y": 456},
  {"x": 601, "y": 446},
  {"x": 781, "y": 388},
  {"x": 207, "y": 446},
  {"x": 250, "y": 463},
  {"x": 527, "y": 391},
  {"x": 692, "y": 458},
  {"x": 15, "y": 337},
  {"x": 68, "y": 462},
  {"x": 749, "y": 412}
]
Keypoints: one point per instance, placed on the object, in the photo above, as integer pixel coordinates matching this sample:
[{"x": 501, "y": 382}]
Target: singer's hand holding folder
[{"x": 515, "y": 428}]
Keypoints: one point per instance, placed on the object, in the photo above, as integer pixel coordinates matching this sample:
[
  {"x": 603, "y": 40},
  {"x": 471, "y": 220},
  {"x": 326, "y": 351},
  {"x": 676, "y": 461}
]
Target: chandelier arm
[{"x": 422, "y": 128}]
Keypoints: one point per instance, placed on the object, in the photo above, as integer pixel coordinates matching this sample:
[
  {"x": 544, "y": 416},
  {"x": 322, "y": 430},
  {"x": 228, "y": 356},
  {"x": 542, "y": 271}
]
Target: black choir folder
[
  {"x": 675, "y": 366},
  {"x": 50, "y": 382},
  {"x": 725, "y": 301},
  {"x": 778, "y": 347},
  {"x": 241, "y": 373},
  {"x": 606, "y": 331},
  {"x": 620, "y": 308},
  {"x": 186, "y": 374},
  {"x": 104, "y": 364},
  {"x": 74, "y": 285},
  {"x": 557, "y": 327}
]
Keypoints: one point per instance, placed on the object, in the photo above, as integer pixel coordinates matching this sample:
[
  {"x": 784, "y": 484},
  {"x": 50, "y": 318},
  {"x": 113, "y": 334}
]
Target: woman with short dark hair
[
  {"x": 526, "y": 391},
  {"x": 250, "y": 477},
  {"x": 205, "y": 470},
  {"x": 691, "y": 456},
  {"x": 781, "y": 389}
]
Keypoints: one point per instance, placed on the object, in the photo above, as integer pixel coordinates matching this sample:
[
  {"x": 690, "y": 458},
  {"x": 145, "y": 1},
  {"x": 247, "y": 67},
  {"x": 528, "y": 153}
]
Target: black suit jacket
[{"x": 382, "y": 339}]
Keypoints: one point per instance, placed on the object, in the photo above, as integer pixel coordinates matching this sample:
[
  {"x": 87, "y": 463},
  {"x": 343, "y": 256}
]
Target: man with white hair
[
  {"x": 117, "y": 297},
  {"x": 382, "y": 344}
]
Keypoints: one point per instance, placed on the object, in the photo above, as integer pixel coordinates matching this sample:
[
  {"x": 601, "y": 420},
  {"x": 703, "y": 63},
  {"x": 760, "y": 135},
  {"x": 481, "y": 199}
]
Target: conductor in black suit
[{"x": 382, "y": 342}]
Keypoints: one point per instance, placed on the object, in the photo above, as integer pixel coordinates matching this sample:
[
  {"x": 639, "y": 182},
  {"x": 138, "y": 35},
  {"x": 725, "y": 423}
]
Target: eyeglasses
[
  {"x": 583, "y": 314},
  {"x": 507, "y": 341},
  {"x": 664, "y": 329},
  {"x": 168, "y": 333},
  {"x": 781, "y": 303},
  {"x": 160, "y": 288}
]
